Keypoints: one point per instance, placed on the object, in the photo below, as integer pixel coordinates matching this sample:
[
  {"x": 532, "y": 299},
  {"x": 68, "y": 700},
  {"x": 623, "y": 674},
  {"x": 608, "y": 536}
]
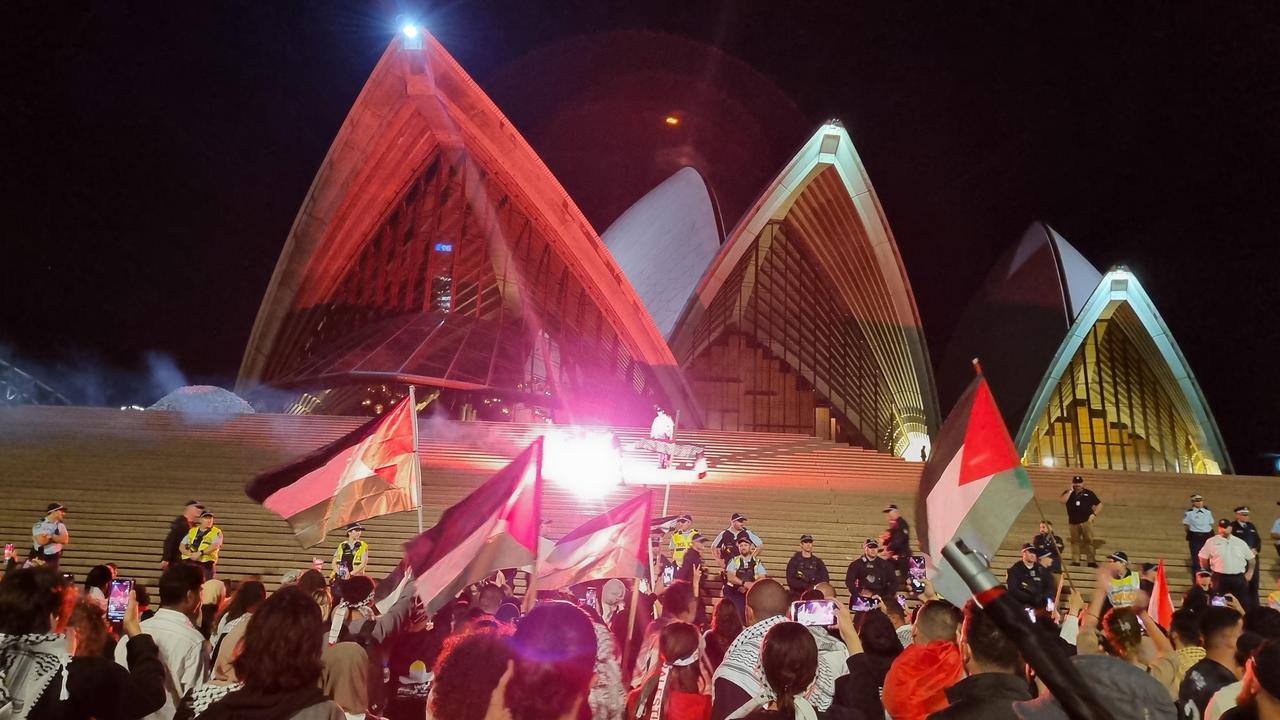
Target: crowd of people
[{"x": 321, "y": 646}]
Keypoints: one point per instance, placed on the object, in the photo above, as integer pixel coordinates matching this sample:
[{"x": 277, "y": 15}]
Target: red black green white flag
[
  {"x": 972, "y": 487},
  {"x": 614, "y": 544},
  {"x": 371, "y": 471},
  {"x": 494, "y": 527}
]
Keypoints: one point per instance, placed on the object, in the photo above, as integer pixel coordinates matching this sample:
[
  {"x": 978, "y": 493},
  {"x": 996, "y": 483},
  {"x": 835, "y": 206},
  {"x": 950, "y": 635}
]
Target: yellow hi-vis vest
[
  {"x": 1123, "y": 592},
  {"x": 206, "y": 549},
  {"x": 680, "y": 544}
]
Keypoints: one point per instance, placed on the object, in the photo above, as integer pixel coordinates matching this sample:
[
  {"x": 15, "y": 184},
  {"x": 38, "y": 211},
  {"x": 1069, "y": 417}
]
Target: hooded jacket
[{"x": 917, "y": 681}]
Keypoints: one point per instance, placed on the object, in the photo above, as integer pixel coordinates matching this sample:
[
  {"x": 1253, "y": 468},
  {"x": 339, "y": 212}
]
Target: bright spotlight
[
  {"x": 1047, "y": 462},
  {"x": 410, "y": 30},
  {"x": 587, "y": 463}
]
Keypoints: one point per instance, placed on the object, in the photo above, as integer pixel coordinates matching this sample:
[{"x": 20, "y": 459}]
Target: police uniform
[
  {"x": 202, "y": 546},
  {"x": 350, "y": 556},
  {"x": 1228, "y": 558},
  {"x": 870, "y": 575},
  {"x": 1030, "y": 586},
  {"x": 681, "y": 541},
  {"x": 1049, "y": 545},
  {"x": 1248, "y": 532},
  {"x": 1199, "y": 523},
  {"x": 899, "y": 545},
  {"x": 805, "y": 572},
  {"x": 746, "y": 570}
]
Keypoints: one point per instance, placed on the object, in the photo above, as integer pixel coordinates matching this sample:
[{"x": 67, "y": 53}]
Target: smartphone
[
  {"x": 902, "y": 601},
  {"x": 668, "y": 574},
  {"x": 1031, "y": 615},
  {"x": 593, "y": 599},
  {"x": 644, "y": 586},
  {"x": 1218, "y": 601},
  {"x": 815, "y": 613},
  {"x": 118, "y": 599},
  {"x": 1051, "y": 607},
  {"x": 915, "y": 574},
  {"x": 861, "y": 604}
]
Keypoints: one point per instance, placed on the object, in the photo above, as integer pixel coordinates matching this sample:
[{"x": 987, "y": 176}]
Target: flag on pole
[
  {"x": 494, "y": 527},
  {"x": 1160, "y": 606},
  {"x": 614, "y": 544},
  {"x": 972, "y": 487},
  {"x": 368, "y": 472}
]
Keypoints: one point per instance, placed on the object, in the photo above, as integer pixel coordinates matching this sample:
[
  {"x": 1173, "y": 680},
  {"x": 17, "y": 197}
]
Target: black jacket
[
  {"x": 1248, "y": 532},
  {"x": 986, "y": 696},
  {"x": 1055, "y": 546},
  {"x": 99, "y": 688},
  {"x": 805, "y": 572},
  {"x": 860, "y": 690},
  {"x": 875, "y": 575},
  {"x": 900, "y": 538},
  {"x": 1030, "y": 586},
  {"x": 178, "y": 529}
]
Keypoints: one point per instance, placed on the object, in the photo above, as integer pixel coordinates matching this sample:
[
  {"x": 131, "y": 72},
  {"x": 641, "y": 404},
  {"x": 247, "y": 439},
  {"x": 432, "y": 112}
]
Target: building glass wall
[{"x": 1117, "y": 407}]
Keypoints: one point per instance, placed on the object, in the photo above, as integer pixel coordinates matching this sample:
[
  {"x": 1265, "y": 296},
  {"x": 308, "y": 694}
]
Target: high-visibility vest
[
  {"x": 204, "y": 549},
  {"x": 680, "y": 544},
  {"x": 1123, "y": 592}
]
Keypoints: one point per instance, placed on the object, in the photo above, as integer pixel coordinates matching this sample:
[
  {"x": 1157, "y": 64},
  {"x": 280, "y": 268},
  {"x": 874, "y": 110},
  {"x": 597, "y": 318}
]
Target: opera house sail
[
  {"x": 435, "y": 248},
  {"x": 1085, "y": 367},
  {"x": 805, "y": 321}
]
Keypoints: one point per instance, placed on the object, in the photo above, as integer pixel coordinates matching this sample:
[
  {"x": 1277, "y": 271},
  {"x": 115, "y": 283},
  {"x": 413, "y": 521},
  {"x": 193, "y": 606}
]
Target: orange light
[{"x": 671, "y": 120}]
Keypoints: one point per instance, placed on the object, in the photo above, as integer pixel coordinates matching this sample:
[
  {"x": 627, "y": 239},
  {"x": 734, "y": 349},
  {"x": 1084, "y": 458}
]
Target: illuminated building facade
[
  {"x": 1084, "y": 366},
  {"x": 805, "y": 320},
  {"x": 435, "y": 248}
]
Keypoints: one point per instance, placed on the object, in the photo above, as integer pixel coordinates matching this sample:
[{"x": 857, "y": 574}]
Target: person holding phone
[
  {"x": 49, "y": 535},
  {"x": 202, "y": 544}
]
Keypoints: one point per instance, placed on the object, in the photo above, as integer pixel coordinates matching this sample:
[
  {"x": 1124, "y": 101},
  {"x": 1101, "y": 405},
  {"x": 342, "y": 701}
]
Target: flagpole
[
  {"x": 531, "y": 589},
  {"x": 417, "y": 458},
  {"x": 666, "y": 494}
]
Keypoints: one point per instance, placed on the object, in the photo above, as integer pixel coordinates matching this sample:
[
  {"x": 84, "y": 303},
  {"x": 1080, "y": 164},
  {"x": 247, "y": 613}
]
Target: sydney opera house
[{"x": 435, "y": 248}]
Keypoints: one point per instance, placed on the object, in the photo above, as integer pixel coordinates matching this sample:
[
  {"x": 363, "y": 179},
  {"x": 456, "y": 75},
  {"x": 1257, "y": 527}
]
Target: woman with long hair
[
  {"x": 861, "y": 687},
  {"x": 726, "y": 624},
  {"x": 234, "y": 619},
  {"x": 679, "y": 688},
  {"x": 94, "y": 637},
  {"x": 789, "y": 658},
  {"x": 278, "y": 665}
]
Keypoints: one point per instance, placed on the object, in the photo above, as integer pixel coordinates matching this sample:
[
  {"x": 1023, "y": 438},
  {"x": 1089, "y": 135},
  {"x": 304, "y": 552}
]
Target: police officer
[
  {"x": 1248, "y": 532},
  {"x": 870, "y": 574},
  {"x": 682, "y": 538},
  {"x": 202, "y": 544},
  {"x": 805, "y": 569},
  {"x": 49, "y": 535},
  {"x": 352, "y": 554},
  {"x": 726, "y": 543},
  {"x": 1029, "y": 583},
  {"x": 742, "y": 571},
  {"x": 1198, "y": 520},
  {"x": 898, "y": 542}
]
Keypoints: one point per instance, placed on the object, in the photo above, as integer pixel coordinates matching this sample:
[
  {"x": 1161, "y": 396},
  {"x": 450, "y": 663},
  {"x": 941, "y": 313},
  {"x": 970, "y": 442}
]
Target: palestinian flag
[
  {"x": 494, "y": 527},
  {"x": 1160, "y": 606},
  {"x": 612, "y": 545},
  {"x": 972, "y": 487},
  {"x": 371, "y": 471}
]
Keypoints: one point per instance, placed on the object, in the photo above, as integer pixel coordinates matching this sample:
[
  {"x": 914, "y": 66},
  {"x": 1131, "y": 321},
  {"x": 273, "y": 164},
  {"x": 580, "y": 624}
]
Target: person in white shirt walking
[
  {"x": 663, "y": 428},
  {"x": 1231, "y": 560},
  {"x": 183, "y": 650},
  {"x": 1198, "y": 520}
]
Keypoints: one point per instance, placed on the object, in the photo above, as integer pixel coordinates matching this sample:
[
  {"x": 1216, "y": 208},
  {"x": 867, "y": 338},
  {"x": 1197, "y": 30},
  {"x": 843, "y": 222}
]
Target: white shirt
[
  {"x": 183, "y": 652},
  {"x": 1223, "y": 700},
  {"x": 1275, "y": 529},
  {"x": 1198, "y": 520},
  {"x": 1227, "y": 555},
  {"x": 663, "y": 427}
]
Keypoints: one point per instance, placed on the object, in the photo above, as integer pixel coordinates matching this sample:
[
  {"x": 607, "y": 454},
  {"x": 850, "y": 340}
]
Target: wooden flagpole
[{"x": 417, "y": 457}]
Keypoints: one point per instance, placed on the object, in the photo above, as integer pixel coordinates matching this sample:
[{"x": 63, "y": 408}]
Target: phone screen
[
  {"x": 915, "y": 574},
  {"x": 817, "y": 613},
  {"x": 118, "y": 599},
  {"x": 644, "y": 586},
  {"x": 1218, "y": 600},
  {"x": 1051, "y": 606},
  {"x": 668, "y": 574},
  {"x": 861, "y": 604}
]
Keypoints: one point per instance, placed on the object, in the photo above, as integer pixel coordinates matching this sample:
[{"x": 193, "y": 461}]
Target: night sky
[{"x": 154, "y": 155}]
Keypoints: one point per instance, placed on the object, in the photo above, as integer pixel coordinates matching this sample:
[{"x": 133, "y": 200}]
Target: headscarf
[
  {"x": 658, "y": 690},
  {"x": 612, "y": 596},
  {"x": 28, "y": 666}
]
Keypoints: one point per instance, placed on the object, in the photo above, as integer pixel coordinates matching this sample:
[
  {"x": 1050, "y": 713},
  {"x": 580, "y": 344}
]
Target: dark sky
[{"x": 154, "y": 155}]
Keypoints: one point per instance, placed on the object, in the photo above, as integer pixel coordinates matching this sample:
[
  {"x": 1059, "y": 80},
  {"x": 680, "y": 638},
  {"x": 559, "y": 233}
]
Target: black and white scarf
[{"x": 29, "y": 664}]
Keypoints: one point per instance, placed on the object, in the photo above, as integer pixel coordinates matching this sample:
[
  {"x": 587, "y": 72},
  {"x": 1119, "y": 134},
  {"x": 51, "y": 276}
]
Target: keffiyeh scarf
[
  {"x": 742, "y": 665},
  {"x": 28, "y": 666}
]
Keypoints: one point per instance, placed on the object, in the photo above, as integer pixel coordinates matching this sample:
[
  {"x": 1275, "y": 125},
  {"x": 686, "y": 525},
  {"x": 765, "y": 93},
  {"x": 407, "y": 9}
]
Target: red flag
[
  {"x": 972, "y": 487},
  {"x": 494, "y": 527},
  {"x": 614, "y": 544},
  {"x": 1160, "y": 606},
  {"x": 368, "y": 472}
]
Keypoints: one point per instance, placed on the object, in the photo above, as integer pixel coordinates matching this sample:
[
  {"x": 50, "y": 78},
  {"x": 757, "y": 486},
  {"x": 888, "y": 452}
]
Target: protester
[
  {"x": 1260, "y": 692},
  {"x": 1049, "y": 545},
  {"x": 743, "y": 571},
  {"x": 1184, "y": 631},
  {"x": 726, "y": 543},
  {"x": 1124, "y": 629},
  {"x": 1121, "y": 583},
  {"x": 44, "y": 677},
  {"x": 804, "y": 569},
  {"x": 789, "y": 657},
  {"x": 202, "y": 544},
  {"x": 178, "y": 530},
  {"x": 95, "y": 585},
  {"x": 555, "y": 656},
  {"x": 916, "y": 683},
  {"x": 726, "y": 625},
  {"x": 469, "y": 667},
  {"x": 995, "y": 672},
  {"x": 663, "y": 428},
  {"x": 1125, "y": 691},
  {"x": 897, "y": 543},
  {"x": 870, "y": 575},
  {"x": 1028, "y": 583},
  {"x": 690, "y": 570},
  {"x": 1248, "y": 532},
  {"x": 1198, "y": 597},
  {"x": 608, "y": 697},
  {"x": 1228, "y": 696},
  {"x": 352, "y": 555},
  {"x": 1198, "y": 523},
  {"x": 279, "y": 665},
  {"x": 737, "y": 679},
  {"x": 677, "y": 689},
  {"x": 49, "y": 535},
  {"x": 1147, "y": 578},
  {"x": 613, "y": 598},
  {"x": 93, "y": 635},
  {"x": 860, "y": 688},
  {"x": 1083, "y": 507},
  {"x": 231, "y": 625},
  {"x": 213, "y": 595},
  {"x": 1232, "y": 562},
  {"x": 678, "y": 605},
  {"x": 345, "y": 678},
  {"x": 1220, "y": 628}
]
